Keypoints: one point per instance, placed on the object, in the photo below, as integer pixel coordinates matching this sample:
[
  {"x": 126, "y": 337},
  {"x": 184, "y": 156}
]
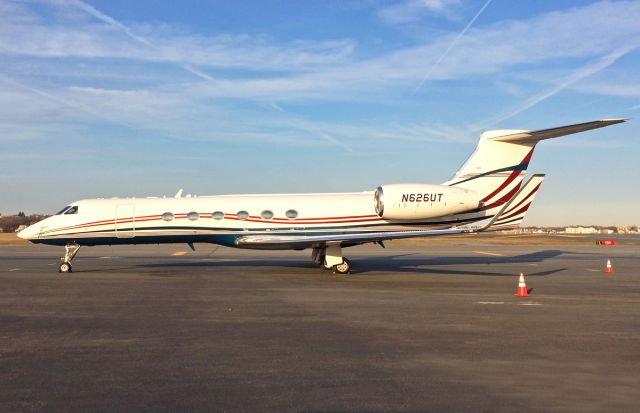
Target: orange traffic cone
[
  {"x": 522, "y": 287},
  {"x": 608, "y": 268}
]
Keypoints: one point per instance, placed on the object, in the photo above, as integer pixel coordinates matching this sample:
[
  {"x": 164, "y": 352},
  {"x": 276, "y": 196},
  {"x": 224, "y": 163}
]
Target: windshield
[{"x": 62, "y": 211}]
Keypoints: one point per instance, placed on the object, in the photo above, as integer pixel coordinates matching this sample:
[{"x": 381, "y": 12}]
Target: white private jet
[{"x": 485, "y": 194}]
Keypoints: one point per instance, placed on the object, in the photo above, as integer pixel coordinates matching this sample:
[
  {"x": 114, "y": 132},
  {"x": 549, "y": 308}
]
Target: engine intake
[{"x": 421, "y": 201}]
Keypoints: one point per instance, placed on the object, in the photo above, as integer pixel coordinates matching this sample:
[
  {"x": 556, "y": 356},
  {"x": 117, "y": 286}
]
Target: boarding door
[{"x": 125, "y": 221}]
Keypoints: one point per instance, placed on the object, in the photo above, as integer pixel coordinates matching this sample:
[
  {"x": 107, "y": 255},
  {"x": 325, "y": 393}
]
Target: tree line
[{"x": 10, "y": 223}]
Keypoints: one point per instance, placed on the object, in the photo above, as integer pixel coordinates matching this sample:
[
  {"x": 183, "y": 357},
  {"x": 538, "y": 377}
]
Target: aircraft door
[{"x": 125, "y": 221}]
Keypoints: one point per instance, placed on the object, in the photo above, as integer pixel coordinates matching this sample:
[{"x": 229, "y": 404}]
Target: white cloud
[
  {"x": 257, "y": 69},
  {"x": 99, "y": 36},
  {"x": 414, "y": 10}
]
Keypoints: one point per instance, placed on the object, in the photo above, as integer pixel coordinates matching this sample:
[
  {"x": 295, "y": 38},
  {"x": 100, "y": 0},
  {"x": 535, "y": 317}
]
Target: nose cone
[{"x": 27, "y": 233}]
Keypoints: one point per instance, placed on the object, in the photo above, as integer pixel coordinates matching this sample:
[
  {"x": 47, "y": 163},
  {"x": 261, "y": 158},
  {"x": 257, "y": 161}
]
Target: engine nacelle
[{"x": 421, "y": 201}]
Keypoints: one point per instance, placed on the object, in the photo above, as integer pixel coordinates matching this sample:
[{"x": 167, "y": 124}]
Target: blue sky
[{"x": 140, "y": 98}]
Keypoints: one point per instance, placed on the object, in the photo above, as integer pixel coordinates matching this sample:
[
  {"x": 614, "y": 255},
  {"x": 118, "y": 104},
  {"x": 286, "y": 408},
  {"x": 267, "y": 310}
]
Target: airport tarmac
[{"x": 417, "y": 328}]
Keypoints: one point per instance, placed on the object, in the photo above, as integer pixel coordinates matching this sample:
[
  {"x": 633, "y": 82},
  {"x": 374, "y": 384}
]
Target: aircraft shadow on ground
[
  {"x": 401, "y": 263},
  {"x": 421, "y": 264}
]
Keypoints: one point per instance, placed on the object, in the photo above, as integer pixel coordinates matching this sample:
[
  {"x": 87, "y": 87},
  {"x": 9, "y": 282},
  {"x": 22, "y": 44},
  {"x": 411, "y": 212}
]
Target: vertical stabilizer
[{"x": 496, "y": 169}]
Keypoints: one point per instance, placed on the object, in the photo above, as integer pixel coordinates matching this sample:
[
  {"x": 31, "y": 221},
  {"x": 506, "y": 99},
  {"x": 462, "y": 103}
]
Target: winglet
[
  {"x": 178, "y": 194},
  {"x": 514, "y": 215},
  {"x": 470, "y": 229}
]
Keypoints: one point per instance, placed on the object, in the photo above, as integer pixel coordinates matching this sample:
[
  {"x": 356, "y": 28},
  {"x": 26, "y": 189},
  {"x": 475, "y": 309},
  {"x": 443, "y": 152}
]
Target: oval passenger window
[
  {"x": 193, "y": 216},
  {"x": 218, "y": 215},
  {"x": 242, "y": 215},
  {"x": 167, "y": 216},
  {"x": 292, "y": 214},
  {"x": 266, "y": 214}
]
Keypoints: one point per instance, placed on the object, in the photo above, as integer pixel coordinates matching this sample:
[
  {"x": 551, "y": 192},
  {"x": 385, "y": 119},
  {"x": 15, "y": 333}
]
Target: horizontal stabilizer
[{"x": 538, "y": 135}]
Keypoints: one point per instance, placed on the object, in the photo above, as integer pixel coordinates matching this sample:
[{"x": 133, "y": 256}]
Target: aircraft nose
[{"x": 26, "y": 233}]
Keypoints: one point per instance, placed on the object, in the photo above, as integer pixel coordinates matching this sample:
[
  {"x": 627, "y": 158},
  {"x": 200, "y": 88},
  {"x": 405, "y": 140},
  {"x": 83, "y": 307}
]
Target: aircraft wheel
[
  {"x": 64, "y": 267},
  {"x": 344, "y": 268}
]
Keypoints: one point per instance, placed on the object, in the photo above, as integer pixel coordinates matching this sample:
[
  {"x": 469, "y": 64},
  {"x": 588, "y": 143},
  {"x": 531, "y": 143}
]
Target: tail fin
[
  {"x": 512, "y": 217},
  {"x": 496, "y": 169}
]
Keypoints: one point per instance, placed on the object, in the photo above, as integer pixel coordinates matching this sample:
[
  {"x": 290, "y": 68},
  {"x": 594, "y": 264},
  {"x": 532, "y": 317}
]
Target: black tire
[{"x": 344, "y": 268}]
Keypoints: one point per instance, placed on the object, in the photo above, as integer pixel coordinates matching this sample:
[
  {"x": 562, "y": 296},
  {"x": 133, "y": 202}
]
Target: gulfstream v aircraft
[{"x": 485, "y": 194}]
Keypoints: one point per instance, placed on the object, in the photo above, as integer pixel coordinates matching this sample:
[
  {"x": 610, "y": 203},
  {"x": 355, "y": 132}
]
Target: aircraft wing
[
  {"x": 306, "y": 241},
  {"x": 288, "y": 241}
]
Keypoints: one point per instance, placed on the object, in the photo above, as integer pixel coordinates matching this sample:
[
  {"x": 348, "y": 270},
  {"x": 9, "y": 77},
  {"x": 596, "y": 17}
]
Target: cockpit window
[
  {"x": 62, "y": 211},
  {"x": 72, "y": 210}
]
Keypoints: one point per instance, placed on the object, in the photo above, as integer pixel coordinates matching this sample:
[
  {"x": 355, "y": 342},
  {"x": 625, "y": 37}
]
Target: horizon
[{"x": 107, "y": 98}]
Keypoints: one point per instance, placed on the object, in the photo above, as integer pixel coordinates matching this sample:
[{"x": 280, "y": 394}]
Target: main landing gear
[
  {"x": 330, "y": 258},
  {"x": 70, "y": 251}
]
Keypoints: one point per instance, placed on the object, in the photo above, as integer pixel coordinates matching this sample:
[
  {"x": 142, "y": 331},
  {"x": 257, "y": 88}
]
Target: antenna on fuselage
[{"x": 179, "y": 193}]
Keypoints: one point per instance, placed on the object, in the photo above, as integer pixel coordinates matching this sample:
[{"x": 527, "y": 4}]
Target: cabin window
[
  {"x": 266, "y": 214},
  {"x": 72, "y": 210},
  {"x": 193, "y": 216},
  {"x": 63, "y": 210},
  {"x": 218, "y": 215},
  {"x": 292, "y": 214},
  {"x": 167, "y": 216},
  {"x": 242, "y": 215}
]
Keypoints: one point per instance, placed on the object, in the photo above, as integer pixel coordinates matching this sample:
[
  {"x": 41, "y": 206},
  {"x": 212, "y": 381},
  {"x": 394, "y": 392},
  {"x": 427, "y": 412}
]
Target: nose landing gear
[{"x": 70, "y": 251}]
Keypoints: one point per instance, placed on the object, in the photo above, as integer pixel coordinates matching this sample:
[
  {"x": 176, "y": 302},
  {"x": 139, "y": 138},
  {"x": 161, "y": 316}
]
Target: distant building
[{"x": 581, "y": 230}]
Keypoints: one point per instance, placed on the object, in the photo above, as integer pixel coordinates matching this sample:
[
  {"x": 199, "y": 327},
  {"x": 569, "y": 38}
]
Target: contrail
[
  {"x": 451, "y": 45},
  {"x": 114, "y": 23},
  {"x": 54, "y": 98},
  {"x": 574, "y": 77}
]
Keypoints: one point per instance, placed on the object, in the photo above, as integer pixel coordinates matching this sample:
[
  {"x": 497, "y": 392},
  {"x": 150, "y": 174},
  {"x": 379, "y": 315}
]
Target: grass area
[{"x": 10, "y": 238}]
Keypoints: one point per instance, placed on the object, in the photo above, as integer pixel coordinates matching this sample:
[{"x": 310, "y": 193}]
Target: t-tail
[{"x": 496, "y": 169}]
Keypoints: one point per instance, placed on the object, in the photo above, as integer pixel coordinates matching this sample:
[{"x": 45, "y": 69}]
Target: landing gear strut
[
  {"x": 332, "y": 259},
  {"x": 70, "y": 251}
]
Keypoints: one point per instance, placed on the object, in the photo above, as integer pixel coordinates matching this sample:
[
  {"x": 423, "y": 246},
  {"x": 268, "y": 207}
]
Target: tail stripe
[
  {"x": 525, "y": 198},
  {"x": 502, "y": 200},
  {"x": 510, "y": 179},
  {"x": 520, "y": 211}
]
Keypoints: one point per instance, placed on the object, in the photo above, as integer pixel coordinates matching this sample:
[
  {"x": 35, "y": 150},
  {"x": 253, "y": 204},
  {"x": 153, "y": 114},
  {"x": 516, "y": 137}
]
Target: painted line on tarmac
[
  {"x": 179, "y": 253},
  {"x": 495, "y": 254},
  {"x": 14, "y": 269},
  {"x": 593, "y": 270},
  {"x": 505, "y": 303}
]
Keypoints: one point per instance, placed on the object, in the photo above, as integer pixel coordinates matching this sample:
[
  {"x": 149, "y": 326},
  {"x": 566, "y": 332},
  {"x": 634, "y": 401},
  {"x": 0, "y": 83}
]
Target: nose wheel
[
  {"x": 64, "y": 267},
  {"x": 70, "y": 251}
]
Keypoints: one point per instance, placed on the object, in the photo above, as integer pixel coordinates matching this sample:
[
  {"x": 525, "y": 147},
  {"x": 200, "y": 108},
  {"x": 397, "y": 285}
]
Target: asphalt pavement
[{"x": 414, "y": 329}]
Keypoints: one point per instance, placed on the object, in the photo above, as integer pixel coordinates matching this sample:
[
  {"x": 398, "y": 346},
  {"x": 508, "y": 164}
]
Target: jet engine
[{"x": 421, "y": 201}]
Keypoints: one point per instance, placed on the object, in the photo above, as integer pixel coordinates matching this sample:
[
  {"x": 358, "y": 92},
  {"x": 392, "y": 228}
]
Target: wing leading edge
[
  {"x": 538, "y": 135},
  {"x": 307, "y": 241}
]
